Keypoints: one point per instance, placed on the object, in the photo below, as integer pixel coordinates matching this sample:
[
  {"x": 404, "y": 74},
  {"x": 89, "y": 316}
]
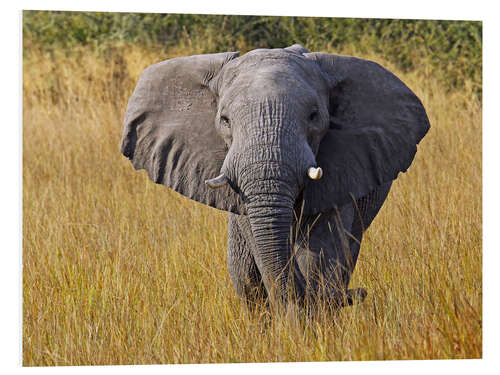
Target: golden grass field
[{"x": 118, "y": 270}]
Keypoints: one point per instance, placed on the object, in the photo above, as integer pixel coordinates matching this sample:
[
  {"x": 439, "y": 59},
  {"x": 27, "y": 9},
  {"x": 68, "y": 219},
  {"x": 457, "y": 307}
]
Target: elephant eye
[
  {"x": 225, "y": 121},
  {"x": 313, "y": 116}
]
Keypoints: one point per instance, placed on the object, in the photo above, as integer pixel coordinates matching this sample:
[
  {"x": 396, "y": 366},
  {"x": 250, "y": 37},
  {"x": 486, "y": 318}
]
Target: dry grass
[{"x": 118, "y": 270}]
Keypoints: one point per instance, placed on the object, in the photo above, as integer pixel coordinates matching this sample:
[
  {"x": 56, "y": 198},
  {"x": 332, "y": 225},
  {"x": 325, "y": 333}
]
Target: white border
[
  {"x": 10, "y": 154},
  {"x": 426, "y": 9}
]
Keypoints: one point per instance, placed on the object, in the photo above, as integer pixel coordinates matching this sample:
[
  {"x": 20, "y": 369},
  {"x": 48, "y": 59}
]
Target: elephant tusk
[
  {"x": 315, "y": 173},
  {"x": 217, "y": 182}
]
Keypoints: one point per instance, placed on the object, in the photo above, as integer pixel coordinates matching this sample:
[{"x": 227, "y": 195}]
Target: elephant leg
[
  {"x": 323, "y": 254},
  {"x": 243, "y": 271},
  {"x": 328, "y": 246}
]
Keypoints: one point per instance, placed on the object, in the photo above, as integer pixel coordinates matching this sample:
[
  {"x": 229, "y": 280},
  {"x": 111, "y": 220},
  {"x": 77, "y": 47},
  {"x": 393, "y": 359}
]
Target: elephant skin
[{"x": 300, "y": 147}]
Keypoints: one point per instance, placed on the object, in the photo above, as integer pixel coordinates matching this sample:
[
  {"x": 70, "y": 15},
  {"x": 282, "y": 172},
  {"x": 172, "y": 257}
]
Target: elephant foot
[
  {"x": 357, "y": 295},
  {"x": 350, "y": 297}
]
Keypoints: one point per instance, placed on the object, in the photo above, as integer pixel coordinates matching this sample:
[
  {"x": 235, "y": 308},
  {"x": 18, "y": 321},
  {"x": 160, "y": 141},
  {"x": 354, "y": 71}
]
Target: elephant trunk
[
  {"x": 271, "y": 224},
  {"x": 270, "y": 202}
]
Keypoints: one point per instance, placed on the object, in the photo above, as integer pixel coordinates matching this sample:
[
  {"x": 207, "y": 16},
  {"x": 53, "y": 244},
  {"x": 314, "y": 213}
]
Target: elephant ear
[
  {"x": 169, "y": 128},
  {"x": 376, "y": 121}
]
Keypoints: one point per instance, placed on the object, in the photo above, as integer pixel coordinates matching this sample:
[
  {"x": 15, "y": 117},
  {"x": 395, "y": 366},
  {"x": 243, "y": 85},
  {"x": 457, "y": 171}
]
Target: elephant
[{"x": 299, "y": 147}]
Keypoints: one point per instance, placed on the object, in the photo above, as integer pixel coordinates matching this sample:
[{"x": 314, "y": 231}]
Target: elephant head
[{"x": 271, "y": 130}]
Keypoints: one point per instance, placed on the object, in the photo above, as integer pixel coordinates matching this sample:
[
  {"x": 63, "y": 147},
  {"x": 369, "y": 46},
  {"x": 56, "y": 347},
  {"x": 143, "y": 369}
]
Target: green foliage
[{"x": 452, "y": 50}]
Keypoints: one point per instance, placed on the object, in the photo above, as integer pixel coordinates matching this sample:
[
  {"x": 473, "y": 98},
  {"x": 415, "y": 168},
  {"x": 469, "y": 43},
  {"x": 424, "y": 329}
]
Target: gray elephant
[{"x": 299, "y": 147}]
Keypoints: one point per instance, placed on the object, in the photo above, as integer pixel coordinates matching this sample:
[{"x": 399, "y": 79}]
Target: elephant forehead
[{"x": 271, "y": 82}]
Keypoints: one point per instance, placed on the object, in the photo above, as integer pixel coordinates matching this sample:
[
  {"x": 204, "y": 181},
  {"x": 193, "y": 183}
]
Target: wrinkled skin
[{"x": 259, "y": 122}]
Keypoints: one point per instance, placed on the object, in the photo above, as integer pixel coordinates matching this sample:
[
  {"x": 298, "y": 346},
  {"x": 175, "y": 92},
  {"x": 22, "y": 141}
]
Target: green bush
[{"x": 451, "y": 49}]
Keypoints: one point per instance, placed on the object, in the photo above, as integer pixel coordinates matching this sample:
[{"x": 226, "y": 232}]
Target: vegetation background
[{"x": 118, "y": 270}]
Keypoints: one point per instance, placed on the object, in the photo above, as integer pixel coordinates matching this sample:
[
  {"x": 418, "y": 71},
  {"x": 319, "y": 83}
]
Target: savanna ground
[{"x": 118, "y": 270}]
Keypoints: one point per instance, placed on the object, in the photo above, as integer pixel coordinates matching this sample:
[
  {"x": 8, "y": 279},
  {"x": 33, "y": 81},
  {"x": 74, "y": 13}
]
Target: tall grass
[
  {"x": 118, "y": 270},
  {"x": 452, "y": 50}
]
